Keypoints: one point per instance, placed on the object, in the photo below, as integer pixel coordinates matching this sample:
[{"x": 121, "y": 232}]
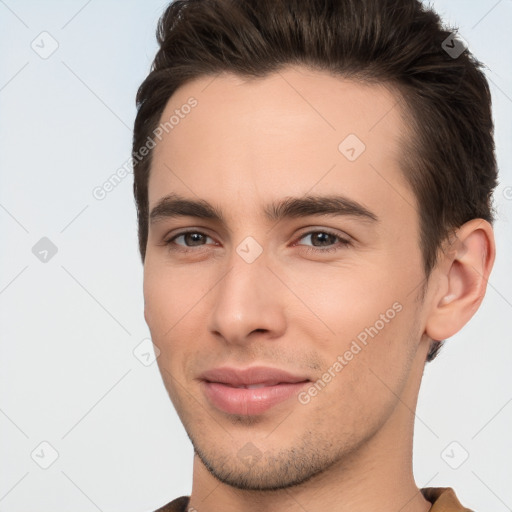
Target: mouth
[
  {"x": 249, "y": 391},
  {"x": 250, "y": 386},
  {"x": 249, "y": 399},
  {"x": 253, "y": 386}
]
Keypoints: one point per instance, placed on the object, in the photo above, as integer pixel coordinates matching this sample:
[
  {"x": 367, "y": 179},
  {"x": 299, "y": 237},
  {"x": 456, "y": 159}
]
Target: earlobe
[{"x": 465, "y": 270}]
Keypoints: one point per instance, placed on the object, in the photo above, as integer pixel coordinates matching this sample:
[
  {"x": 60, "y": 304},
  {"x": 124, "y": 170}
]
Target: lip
[
  {"x": 249, "y": 401},
  {"x": 276, "y": 386},
  {"x": 250, "y": 376}
]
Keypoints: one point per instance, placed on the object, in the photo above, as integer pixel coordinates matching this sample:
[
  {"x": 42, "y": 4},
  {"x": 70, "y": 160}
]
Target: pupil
[
  {"x": 323, "y": 237},
  {"x": 194, "y": 237}
]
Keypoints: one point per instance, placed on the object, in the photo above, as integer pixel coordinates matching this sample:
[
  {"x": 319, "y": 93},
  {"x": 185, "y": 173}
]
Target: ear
[{"x": 463, "y": 272}]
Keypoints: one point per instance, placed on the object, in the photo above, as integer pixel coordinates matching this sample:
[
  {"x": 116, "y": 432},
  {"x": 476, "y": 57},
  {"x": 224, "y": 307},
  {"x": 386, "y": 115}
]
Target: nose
[{"x": 248, "y": 300}]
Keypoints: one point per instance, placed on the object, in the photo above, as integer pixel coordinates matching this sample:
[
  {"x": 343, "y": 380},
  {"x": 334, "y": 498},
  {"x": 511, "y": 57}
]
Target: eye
[
  {"x": 324, "y": 241},
  {"x": 190, "y": 240}
]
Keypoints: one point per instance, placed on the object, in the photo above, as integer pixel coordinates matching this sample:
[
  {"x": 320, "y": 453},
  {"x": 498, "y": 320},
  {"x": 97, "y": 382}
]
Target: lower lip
[{"x": 249, "y": 401}]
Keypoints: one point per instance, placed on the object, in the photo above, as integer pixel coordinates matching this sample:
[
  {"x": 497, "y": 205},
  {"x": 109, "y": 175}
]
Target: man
[{"x": 313, "y": 182}]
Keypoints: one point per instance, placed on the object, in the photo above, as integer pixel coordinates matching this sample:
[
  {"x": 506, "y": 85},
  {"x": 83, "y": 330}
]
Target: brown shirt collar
[{"x": 443, "y": 499}]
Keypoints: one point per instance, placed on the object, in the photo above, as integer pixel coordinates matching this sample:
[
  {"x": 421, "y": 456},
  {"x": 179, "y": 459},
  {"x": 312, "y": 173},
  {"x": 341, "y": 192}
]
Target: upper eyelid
[
  {"x": 309, "y": 231},
  {"x": 181, "y": 233}
]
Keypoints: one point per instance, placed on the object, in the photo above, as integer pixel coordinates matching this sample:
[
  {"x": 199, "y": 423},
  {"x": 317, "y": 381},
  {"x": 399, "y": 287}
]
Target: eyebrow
[{"x": 174, "y": 205}]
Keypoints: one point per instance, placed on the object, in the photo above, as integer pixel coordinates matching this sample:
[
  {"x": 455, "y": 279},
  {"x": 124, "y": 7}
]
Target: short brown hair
[{"x": 449, "y": 158}]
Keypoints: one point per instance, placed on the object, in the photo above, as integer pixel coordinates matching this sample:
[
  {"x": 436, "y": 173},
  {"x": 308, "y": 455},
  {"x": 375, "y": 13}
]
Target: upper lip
[{"x": 250, "y": 376}]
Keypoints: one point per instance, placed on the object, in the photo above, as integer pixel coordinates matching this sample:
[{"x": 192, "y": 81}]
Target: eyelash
[{"x": 343, "y": 242}]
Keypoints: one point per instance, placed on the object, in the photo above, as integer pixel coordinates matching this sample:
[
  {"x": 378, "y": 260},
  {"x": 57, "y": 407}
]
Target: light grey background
[{"x": 69, "y": 326}]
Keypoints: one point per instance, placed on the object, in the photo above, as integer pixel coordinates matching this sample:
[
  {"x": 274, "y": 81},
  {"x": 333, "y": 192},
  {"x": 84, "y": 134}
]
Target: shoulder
[
  {"x": 443, "y": 499},
  {"x": 178, "y": 505}
]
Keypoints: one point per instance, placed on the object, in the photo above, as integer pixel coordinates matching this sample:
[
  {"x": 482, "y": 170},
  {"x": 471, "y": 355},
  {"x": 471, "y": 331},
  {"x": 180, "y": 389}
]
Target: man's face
[{"x": 286, "y": 292}]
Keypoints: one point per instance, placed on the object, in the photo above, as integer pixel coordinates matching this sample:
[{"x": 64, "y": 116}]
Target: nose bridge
[{"x": 247, "y": 297}]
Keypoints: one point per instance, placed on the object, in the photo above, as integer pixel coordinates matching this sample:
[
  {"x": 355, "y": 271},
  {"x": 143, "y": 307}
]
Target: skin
[{"x": 245, "y": 144}]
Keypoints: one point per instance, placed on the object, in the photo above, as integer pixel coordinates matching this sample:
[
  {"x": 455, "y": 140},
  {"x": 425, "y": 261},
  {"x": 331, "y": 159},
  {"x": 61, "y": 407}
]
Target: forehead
[{"x": 281, "y": 135}]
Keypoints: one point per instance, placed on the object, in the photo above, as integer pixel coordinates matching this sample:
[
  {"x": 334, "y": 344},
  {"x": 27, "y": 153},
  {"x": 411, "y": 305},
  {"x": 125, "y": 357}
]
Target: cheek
[
  {"x": 367, "y": 363},
  {"x": 347, "y": 299},
  {"x": 169, "y": 295},
  {"x": 162, "y": 312},
  {"x": 174, "y": 298},
  {"x": 156, "y": 300},
  {"x": 368, "y": 313}
]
